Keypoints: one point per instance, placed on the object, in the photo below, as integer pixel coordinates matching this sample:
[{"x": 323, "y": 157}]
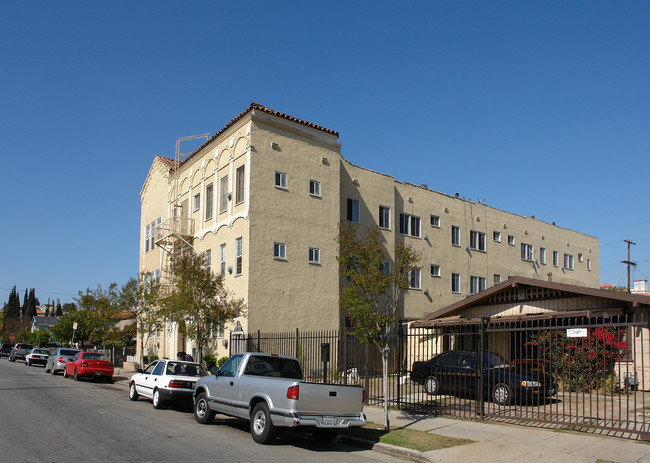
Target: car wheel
[
  {"x": 76, "y": 375},
  {"x": 431, "y": 385},
  {"x": 325, "y": 436},
  {"x": 133, "y": 393},
  {"x": 157, "y": 401},
  {"x": 262, "y": 428},
  {"x": 202, "y": 412},
  {"x": 65, "y": 372},
  {"x": 502, "y": 394}
]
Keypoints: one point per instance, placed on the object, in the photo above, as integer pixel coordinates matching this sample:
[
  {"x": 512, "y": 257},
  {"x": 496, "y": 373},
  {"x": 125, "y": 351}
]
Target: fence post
[
  {"x": 259, "y": 341},
  {"x": 345, "y": 356},
  {"x": 399, "y": 363},
  {"x": 481, "y": 357},
  {"x": 297, "y": 343}
]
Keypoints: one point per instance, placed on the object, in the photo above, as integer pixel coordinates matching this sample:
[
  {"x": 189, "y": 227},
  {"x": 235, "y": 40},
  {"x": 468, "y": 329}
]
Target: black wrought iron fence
[{"x": 580, "y": 373}]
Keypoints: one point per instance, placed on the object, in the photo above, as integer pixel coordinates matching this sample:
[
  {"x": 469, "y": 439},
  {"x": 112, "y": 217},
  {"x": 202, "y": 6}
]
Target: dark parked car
[
  {"x": 5, "y": 350},
  {"x": 19, "y": 351},
  {"x": 457, "y": 373}
]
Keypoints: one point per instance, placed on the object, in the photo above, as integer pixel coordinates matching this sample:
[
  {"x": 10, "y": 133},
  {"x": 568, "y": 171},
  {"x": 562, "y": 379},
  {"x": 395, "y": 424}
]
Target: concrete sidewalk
[
  {"x": 510, "y": 443},
  {"x": 496, "y": 442}
]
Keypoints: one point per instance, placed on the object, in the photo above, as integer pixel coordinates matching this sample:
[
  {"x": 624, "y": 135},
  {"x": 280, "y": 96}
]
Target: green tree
[
  {"x": 98, "y": 309},
  {"x": 59, "y": 309},
  {"x": 25, "y": 305},
  {"x": 31, "y": 304},
  {"x": 372, "y": 296},
  {"x": 68, "y": 307},
  {"x": 199, "y": 298},
  {"x": 13, "y": 304}
]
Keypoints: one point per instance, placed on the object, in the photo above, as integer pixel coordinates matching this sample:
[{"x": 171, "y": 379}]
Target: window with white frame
[
  {"x": 455, "y": 235},
  {"x": 511, "y": 240},
  {"x": 353, "y": 210},
  {"x": 568, "y": 261},
  {"x": 223, "y": 194},
  {"x": 240, "y": 183},
  {"x": 496, "y": 279},
  {"x": 579, "y": 257},
  {"x": 239, "y": 255},
  {"x": 147, "y": 235},
  {"x": 209, "y": 201},
  {"x": 496, "y": 236},
  {"x": 409, "y": 225},
  {"x": 281, "y": 180},
  {"x": 222, "y": 263},
  {"x": 556, "y": 259},
  {"x": 314, "y": 256},
  {"x": 314, "y": 188},
  {"x": 435, "y": 270},
  {"x": 435, "y": 221},
  {"x": 219, "y": 333},
  {"x": 208, "y": 259},
  {"x": 150, "y": 235},
  {"x": 384, "y": 217},
  {"x": 477, "y": 284},
  {"x": 414, "y": 278},
  {"x": 157, "y": 275},
  {"x": 279, "y": 250},
  {"x": 477, "y": 240},
  {"x": 542, "y": 255},
  {"x": 455, "y": 283},
  {"x": 196, "y": 204},
  {"x": 386, "y": 267},
  {"x": 589, "y": 265},
  {"x": 527, "y": 252}
]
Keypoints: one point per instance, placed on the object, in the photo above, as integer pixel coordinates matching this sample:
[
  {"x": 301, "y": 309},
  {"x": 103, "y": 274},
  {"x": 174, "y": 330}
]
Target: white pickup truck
[{"x": 269, "y": 391}]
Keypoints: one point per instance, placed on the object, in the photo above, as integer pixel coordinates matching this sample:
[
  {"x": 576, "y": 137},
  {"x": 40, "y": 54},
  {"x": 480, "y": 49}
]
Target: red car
[{"x": 90, "y": 364}]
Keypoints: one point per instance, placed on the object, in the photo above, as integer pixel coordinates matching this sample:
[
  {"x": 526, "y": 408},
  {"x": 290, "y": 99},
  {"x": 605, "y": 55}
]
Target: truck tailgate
[{"x": 330, "y": 398}]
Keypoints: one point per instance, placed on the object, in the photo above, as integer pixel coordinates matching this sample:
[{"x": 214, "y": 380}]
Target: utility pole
[{"x": 628, "y": 262}]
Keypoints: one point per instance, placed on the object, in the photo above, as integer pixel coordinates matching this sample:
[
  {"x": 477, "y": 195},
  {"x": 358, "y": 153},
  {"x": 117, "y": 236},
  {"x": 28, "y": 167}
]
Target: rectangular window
[
  {"x": 208, "y": 260},
  {"x": 146, "y": 238},
  {"x": 435, "y": 270},
  {"x": 223, "y": 194},
  {"x": 314, "y": 256},
  {"x": 314, "y": 188},
  {"x": 455, "y": 235},
  {"x": 435, "y": 221},
  {"x": 511, "y": 240},
  {"x": 384, "y": 217},
  {"x": 209, "y": 201},
  {"x": 239, "y": 256},
  {"x": 409, "y": 225},
  {"x": 386, "y": 267},
  {"x": 240, "y": 180},
  {"x": 279, "y": 250},
  {"x": 414, "y": 279},
  {"x": 222, "y": 266},
  {"x": 556, "y": 258},
  {"x": 281, "y": 180},
  {"x": 157, "y": 275},
  {"x": 353, "y": 210},
  {"x": 589, "y": 264},
  {"x": 568, "y": 261},
  {"x": 477, "y": 240},
  {"x": 497, "y": 278},
  {"x": 152, "y": 245},
  {"x": 496, "y": 236},
  {"x": 197, "y": 202},
  {"x": 477, "y": 284},
  {"x": 527, "y": 252},
  {"x": 455, "y": 283},
  {"x": 579, "y": 257},
  {"x": 542, "y": 255}
]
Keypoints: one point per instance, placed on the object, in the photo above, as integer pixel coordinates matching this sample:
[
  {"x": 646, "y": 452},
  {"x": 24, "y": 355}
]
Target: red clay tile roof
[
  {"x": 167, "y": 162},
  {"x": 260, "y": 107}
]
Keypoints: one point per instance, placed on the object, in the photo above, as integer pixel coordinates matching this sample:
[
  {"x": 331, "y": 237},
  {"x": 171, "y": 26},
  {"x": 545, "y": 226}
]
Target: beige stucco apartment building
[{"x": 264, "y": 197}]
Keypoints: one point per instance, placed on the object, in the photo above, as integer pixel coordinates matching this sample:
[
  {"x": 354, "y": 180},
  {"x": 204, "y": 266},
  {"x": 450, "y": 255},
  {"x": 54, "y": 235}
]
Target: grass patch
[{"x": 407, "y": 438}]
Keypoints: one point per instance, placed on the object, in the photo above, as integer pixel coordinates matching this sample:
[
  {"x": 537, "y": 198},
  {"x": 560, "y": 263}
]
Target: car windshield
[
  {"x": 185, "y": 369},
  {"x": 493, "y": 360},
  {"x": 68, "y": 352},
  {"x": 94, "y": 356},
  {"x": 40, "y": 351}
]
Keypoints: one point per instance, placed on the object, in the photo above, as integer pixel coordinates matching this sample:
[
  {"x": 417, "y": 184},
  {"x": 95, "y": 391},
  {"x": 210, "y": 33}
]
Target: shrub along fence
[{"x": 575, "y": 373}]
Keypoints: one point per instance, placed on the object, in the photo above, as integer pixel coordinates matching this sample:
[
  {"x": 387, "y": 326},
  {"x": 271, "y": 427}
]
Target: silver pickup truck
[{"x": 269, "y": 391}]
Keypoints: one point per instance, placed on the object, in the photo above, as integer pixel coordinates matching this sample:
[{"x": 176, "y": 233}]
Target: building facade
[{"x": 264, "y": 197}]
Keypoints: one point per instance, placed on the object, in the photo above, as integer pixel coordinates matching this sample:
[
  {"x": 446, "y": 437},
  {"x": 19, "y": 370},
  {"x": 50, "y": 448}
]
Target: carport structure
[{"x": 593, "y": 342}]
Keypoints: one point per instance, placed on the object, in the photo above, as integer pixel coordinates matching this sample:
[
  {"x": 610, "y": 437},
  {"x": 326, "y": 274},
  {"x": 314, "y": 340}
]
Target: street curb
[{"x": 401, "y": 452}]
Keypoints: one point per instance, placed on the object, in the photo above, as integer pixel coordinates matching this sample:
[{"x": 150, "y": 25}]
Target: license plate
[
  {"x": 98, "y": 373},
  {"x": 329, "y": 421}
]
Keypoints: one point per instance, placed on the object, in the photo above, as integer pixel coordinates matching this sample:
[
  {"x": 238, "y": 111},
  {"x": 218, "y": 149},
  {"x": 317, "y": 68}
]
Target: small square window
[
  {"x": 511, "y": 240},
  {"x": 314, "y": 256},
  {"x": 281, "y": 180},
  {"x": 314, "y": 188},
  {"x": 197, "y": 202},
  {"x": 497, "y": 279},
  {"x": 435, "y": 221},
  {"x": 435, "y": 270},
  {"x": 279, "y": 250},
  {"x": 496, "y": 236}
]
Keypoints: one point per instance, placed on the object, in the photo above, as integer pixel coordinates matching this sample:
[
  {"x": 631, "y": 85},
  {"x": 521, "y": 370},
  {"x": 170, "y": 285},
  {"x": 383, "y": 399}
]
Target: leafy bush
[
  {"x": 149, "y": 358},
  {"x": 221, "y": 361},
  {"x": 210, "y": 361}
]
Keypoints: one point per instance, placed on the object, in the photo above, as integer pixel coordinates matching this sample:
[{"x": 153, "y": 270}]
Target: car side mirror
[{"x": 215, "y": 371}]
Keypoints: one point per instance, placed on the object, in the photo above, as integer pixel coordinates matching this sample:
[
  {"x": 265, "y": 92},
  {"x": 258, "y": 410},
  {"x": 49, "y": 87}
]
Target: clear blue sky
[{"x": 541, "y": 108}]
